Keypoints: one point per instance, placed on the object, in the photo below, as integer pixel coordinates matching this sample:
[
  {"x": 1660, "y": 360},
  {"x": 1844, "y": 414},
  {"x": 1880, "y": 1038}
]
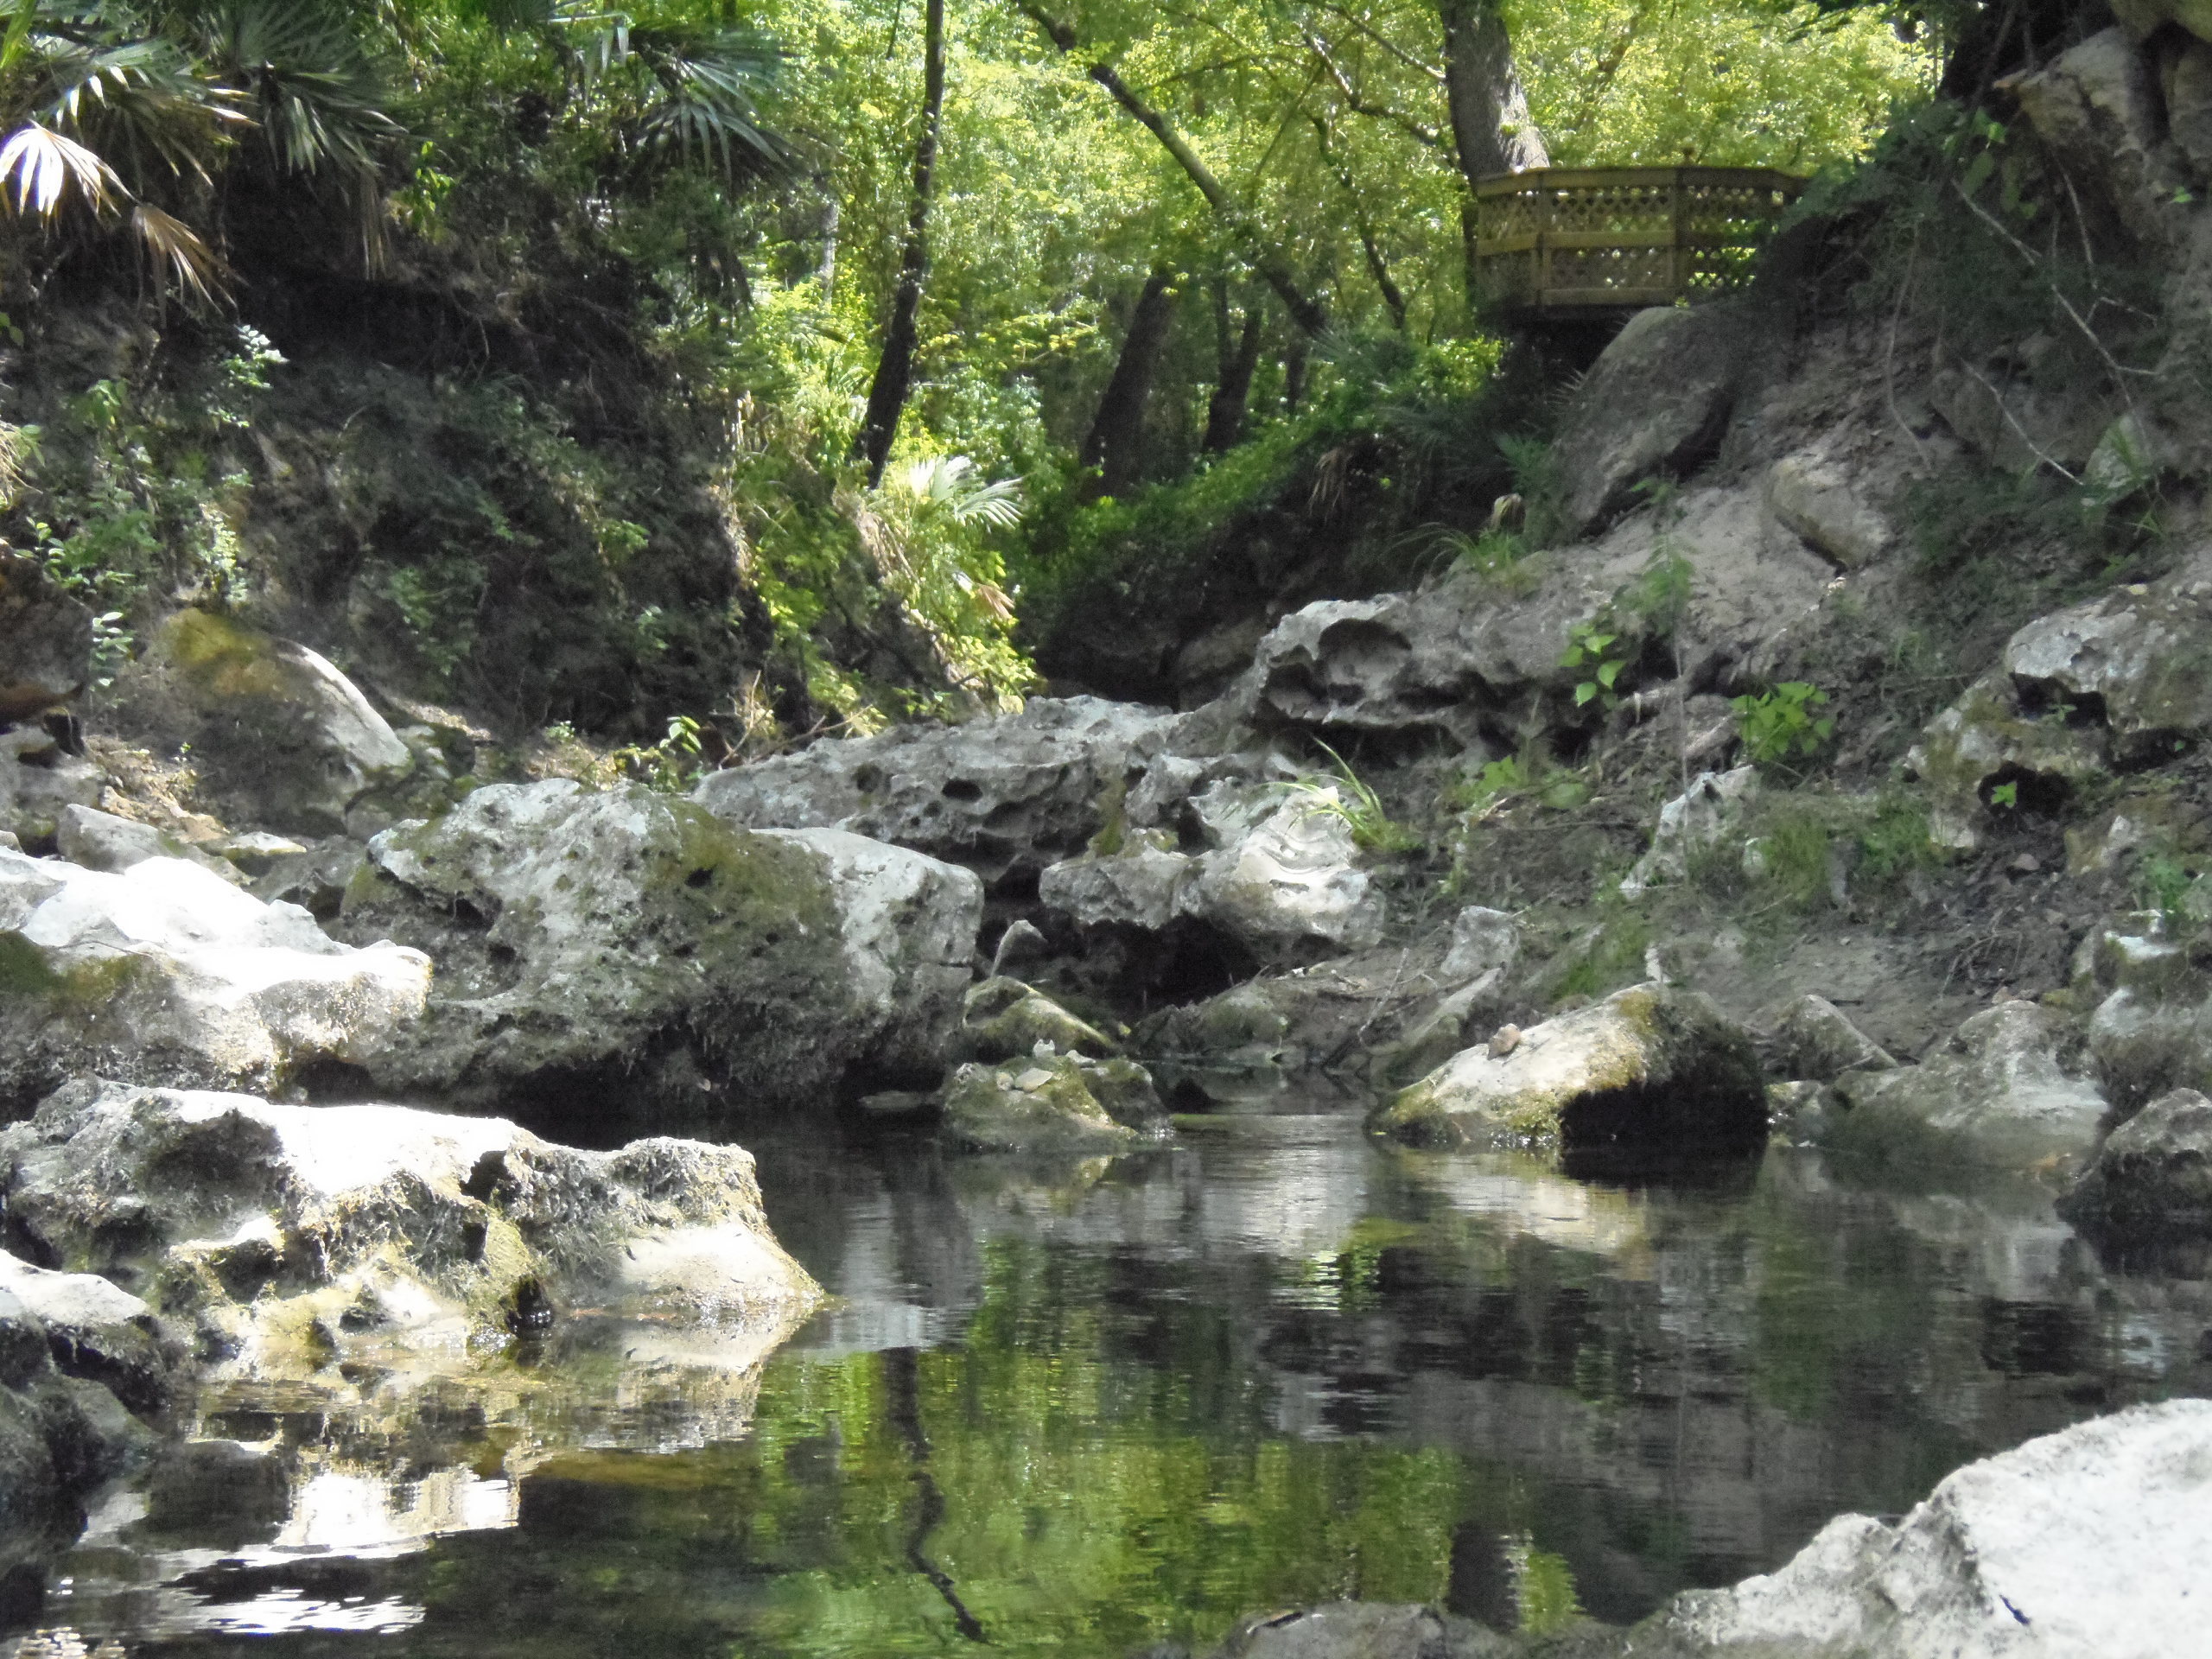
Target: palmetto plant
[
  {"x": 122, "y": 118},
  {"x": 679, "y": 93}
]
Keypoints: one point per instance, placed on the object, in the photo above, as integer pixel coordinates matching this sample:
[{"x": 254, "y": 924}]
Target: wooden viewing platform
[{"x": 1563, "y": 242}]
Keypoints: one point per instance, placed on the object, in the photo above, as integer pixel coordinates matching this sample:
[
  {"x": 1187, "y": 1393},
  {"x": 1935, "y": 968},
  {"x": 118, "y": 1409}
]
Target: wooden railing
[{"x": 1563, "y": 241}]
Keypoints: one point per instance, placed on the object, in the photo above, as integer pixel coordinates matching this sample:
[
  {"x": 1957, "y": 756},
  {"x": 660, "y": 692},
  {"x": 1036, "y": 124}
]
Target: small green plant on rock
[
  {"x": 1784, "y": 724},
  {"x": 1350, "y": 798},
  {"x": 1590, "y": 646}
]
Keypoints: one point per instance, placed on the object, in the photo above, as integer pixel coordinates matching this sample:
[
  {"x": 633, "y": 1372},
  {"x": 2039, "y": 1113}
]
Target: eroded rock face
[
  {"x": 282, "y": 740},
  {"x": 1281, "y": 874},
  {"x": 603, "y": 952},
  {"x": 165, "y": 973},
  {"x": 61, "y": 1436},
  {"x": 2012, "y": 1089},
  {"x": 291, "y": 1238},
  {"x": 2088, "y": 1541},
  {"x": 1655, "y": 405},
  {"x": 46, "y": 640},
  {"x": 1003, "y": 797},
  {"x": 2098, "y": 106},
  {"x": 1653, "y": 1067},
  {"x": 2121, "y": 682},
  {"x": 2152, "y": 1177},
  {"x": 95, "y": 1330}
]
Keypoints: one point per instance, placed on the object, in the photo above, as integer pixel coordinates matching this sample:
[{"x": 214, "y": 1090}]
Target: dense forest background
[{"x": 708, "y": 374}]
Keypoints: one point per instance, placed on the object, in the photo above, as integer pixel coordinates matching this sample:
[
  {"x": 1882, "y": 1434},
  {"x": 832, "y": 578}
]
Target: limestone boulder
[
  {"x": 1821, "y": 502},
  {"x": 61, "y": 1437},
  {"x": 39, "y": 781},
  {"x": 1002, "y": 1018},
  {"x": 1279, "y": 874},
  {"x": 1700, "y": 817},
  {"x": 2152, "y": 1028},
  {"x": 2013, "y": 1089},
  {"x": 1809, "y": 1040},
  {"x": 1003, "y": 797},
  {"x": 2098, "y": 107},
  {"x": 1654, "y": 1068},
  {"x": 281, "y": 738},
  {"x": 2121, "y": 682},
  {"x": 165, "y": 973},
  {"x": 294, "y": 1239},
  {"x": 101, "y": 841},
  {"x": 605, "y": 951},
  {"x": 1052, "y": 1103},
  {"x": 2091, "y": 1541},
  {"x": 96, "y": 1330},
  {"x": 1483, "y": 941},
  {"x": 46, "y": 640},
  {"x": 1655, "y": 405},
  {"x": 2152, "y": 1177},
  {"x": 2143, "y": 18}
]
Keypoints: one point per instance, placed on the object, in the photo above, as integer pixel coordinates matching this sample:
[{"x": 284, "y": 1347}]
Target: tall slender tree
[
  {"x": 1115, "y": 445},
  {"x": 894, "y": 370}
]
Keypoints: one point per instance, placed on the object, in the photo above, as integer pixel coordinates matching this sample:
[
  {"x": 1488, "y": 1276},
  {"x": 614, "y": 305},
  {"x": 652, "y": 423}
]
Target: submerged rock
[
  {"x": 281, "y": 738},
  {"x": 2152, "y": 1177},
  {"x": 2012, "y": 1089},
  {"x": 1363, "y": 1630},
  {"x": 1052, "y": 1103},
  {"x": 1653, "y": 1067},
  {"x": 164, "y": 973},
  {"x": 290, "y": 1238},
  {"x": 607, "y": 950},
  {"x": 1003, "y": 797},
  {"x": 2088, "y": 1541}
]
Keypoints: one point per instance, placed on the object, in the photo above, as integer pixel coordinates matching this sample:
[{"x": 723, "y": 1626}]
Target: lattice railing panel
[{"x": 1562, "y": 237}]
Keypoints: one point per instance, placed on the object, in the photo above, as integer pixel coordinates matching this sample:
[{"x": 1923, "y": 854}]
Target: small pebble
[
  {"x": 2027, "y": 864},
  {"x": 1508, "y": 1039}
]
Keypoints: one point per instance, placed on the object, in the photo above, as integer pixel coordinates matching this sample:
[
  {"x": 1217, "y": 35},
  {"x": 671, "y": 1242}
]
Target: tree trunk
[
  {"x": 1114, "y": 447},
  {"x": 1489, "y": 107},
  {"x": 1232, "y": 393},
  {"x": 894, "y": 370},
  {"x": 1378, "y": 266},
  {"x": 1273, "y": 269}
]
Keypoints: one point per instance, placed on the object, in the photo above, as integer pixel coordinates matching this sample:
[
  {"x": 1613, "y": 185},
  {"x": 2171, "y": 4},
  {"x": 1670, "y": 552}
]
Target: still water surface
[{"x": 1086, "y": 1409}]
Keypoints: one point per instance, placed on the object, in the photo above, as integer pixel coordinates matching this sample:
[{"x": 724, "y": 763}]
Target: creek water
[{"x": 1085, "y": 1408}]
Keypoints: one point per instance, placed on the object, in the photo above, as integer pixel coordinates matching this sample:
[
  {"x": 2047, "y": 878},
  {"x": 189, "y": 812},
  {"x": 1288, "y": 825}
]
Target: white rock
[
  {"x": 101, "y": 841},
  {"x": 1697, "y": 818},
  {"x": 164, "y": 972},
  {"x": 1819, "y": 502},
  {"x": 1481, "y": 940},
  {"x": 2086, "y": 1544}
]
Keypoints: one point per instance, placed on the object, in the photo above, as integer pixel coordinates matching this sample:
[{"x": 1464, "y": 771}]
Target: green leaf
[
  {"x": 1584, "y": 692},
  {"x": 1607, "y": 673}
]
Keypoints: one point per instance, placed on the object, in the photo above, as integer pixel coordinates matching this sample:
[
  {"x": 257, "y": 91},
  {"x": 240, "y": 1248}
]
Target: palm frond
[
  {"x": 949, "y": 486},
  {"x": 170, "y": 243},
  {"x": 305, "y": 79},
  {"x": 138, "y": 97},
  {"x": 40, "y": 165},
  {"x": 711, "y": 82}
]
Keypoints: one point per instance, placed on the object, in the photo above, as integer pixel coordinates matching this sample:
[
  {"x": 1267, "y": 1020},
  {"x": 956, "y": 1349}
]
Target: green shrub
[{"x": 1783, "y": 724}]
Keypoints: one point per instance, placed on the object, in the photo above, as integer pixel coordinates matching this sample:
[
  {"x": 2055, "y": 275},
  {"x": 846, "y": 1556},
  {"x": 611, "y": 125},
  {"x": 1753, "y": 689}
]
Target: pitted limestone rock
[
  {"x": 165, "y": 973},
  {"x": 632, "y": 949},
  {"x": 1052, "y": 1103},
  {"x": 1003, "y": 797},
  {"x": 291, "y": 1237},
  {"x": 2121, "y": 682}
]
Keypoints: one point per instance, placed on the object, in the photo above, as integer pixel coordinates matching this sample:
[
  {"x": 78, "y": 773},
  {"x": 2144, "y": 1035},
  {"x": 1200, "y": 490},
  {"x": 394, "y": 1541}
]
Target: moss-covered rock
[
  {"x": 164, "y": 973},
  {"x": 280, "y": 738},
  {"x": 608, "y": 954},
  {"x": 1002, "y": 1018},
  {"x": 1653, "y": 1067},
  {"x": 290, "y": 1238},
  {"x": 1051, "y": 1102}
]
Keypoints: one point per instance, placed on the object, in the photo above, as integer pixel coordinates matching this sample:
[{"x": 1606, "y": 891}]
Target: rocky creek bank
[{"x": 293, "y": 977}]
